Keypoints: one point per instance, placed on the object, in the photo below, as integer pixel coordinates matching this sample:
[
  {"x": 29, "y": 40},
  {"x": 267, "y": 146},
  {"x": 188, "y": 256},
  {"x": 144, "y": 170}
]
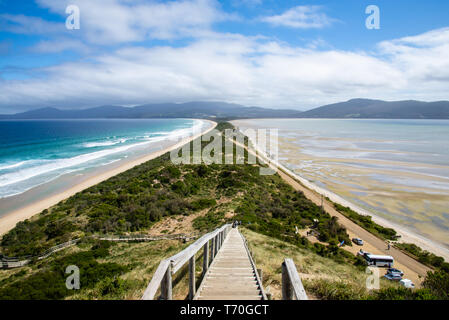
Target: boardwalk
[{"x": 232, "y": 275}]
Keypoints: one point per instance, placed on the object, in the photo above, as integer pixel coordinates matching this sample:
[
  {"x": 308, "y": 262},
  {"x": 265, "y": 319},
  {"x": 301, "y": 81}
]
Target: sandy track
[{"x": 412, "y": 268}]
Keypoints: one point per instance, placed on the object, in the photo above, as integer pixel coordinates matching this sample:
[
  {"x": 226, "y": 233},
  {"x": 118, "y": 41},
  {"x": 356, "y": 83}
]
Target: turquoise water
[{"x": 38, "y": 151}]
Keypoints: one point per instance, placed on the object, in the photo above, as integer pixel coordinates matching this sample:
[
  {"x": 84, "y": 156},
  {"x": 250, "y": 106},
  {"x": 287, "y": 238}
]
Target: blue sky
[{"x": 280, "y": 54}]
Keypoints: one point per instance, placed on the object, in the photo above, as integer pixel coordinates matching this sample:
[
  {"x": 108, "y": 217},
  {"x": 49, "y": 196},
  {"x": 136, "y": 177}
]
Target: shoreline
[
  {"x": 9, "y": 221},
  {"x": 407, "y": 236}
]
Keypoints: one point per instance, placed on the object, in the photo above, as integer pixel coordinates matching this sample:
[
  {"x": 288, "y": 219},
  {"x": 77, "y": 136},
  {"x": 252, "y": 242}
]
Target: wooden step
[{"x": 231, "y": 275}]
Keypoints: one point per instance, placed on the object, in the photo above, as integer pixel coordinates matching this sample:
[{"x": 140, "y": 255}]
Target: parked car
[
  {"x": 357, "y": 241},
  {"x": 393, "y": 277},
  {"x": 395, "y": 271},
  {"x": 407, "y": 283}
]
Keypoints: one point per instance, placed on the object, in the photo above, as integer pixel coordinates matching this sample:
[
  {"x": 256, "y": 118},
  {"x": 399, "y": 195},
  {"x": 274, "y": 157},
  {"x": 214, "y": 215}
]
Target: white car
[{"x": 407, "y": 283}]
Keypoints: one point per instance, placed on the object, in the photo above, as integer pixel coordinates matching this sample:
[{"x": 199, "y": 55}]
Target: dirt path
[{"x": 412, "y": 269}]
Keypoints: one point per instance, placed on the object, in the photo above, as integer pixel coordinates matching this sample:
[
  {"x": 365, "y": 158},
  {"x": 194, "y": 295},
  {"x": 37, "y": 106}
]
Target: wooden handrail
[
  {"x": 168, "y": 267},
  {"x": 158, "y": 276},
  {"x": 253, "y": 265},
  {"x": 10, "y": 263},
  {"x": 17, "y": 262},
  {"x": 292, "y": 288}
]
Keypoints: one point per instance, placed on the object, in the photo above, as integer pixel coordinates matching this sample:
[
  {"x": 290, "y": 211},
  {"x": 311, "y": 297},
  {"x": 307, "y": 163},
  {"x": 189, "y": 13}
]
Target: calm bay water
[
  {"x": 396, "y": 169},
  {"x": 38, "y": 151}
]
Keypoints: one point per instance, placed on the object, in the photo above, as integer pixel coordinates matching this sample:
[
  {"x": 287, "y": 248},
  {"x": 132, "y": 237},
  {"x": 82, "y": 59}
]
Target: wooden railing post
[
  {"x": 192, "y": 282},
  {"x": 206, "y": 258},
  {"x": 217, "y": 243},
  {"x": 166, "y": 285},
  {"x": 286, "y": 284},
  {"x": 292, "y": 287},
  {"x": 163, "y": 277},
  {"x": 260, "y": 272},
  {"x": 212, "y": 249}
]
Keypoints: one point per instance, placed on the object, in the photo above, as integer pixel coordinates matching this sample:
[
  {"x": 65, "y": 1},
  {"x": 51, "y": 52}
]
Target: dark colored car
[
  {"x": 395, "y": 271},
  {"x": 393, "y": 277}
]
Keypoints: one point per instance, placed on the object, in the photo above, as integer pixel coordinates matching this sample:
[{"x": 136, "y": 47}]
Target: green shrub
[
  {"x": 438, "y": 284},
  {"x": 202, "y": 204},
  {"x": 367, "y": 223},
  {"x": 335, "y": 290},
  {"x": 50, "y": 283}
]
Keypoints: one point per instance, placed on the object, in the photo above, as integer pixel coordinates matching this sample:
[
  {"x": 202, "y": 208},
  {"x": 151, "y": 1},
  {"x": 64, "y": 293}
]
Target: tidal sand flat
[
  {"x": 43, "y": 162},
  {"x": 397, "y": 170}
]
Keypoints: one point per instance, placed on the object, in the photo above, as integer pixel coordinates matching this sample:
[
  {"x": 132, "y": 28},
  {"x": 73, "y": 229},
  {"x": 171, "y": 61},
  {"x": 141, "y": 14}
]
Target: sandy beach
[
  {"x": 406, "y": 235},
  {"x": 7, "y": 222}
]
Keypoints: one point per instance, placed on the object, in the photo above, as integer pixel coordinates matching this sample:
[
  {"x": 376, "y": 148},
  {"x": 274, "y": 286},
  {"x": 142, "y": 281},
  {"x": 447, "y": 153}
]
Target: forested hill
[
  {"x": 202, "y": 110},
  {"x": 378, "y": 109},
  {"x": 355, "y": 108}
]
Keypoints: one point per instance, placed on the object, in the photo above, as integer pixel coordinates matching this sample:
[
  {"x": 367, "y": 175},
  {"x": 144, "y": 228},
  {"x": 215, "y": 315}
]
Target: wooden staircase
[{"x": 232, "y": 274}]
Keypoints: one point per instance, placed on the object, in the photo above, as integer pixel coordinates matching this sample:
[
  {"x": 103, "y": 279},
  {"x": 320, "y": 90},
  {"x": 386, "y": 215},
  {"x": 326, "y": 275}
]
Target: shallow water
[{"x": 396, "y": 169}]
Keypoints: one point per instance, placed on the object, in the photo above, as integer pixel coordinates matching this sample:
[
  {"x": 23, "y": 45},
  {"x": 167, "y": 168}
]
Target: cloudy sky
[{"x": 271, "y": 53}]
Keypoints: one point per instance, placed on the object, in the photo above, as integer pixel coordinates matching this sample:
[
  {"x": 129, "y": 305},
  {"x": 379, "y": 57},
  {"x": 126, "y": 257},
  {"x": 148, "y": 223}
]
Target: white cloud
[
  {"x": 301, "y": 17},
  {"x": 423, "y": 57},
  {"x": 214, "y": 66},
  {"x": 115, "y": 21}
]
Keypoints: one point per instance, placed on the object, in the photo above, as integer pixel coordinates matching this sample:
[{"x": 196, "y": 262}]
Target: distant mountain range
[
  {"x": 355, "y": 108},
  {"x": 203, "y": 110},
  {"x": 378, "y": 109}
]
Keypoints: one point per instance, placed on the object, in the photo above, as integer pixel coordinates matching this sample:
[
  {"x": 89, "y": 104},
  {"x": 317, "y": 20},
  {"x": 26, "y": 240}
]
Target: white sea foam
[
  {"x": 41, "y": 171},
  {"x": 104, "y": 143},
  {"x": 53, "y": 165},
  {"x": 12, "y": 166}
]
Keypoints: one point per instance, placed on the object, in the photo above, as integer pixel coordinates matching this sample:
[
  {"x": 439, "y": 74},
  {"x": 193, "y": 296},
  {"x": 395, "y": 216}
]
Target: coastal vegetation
[
  {"x": 327, "y": 279},
  {"x": 134, "y": 201},
  {"x": 424, "y": 256},
  {"x": 140, "y": 199},
  {"x": 367, "y": 223},
  {"x": 50, "y": 283}
]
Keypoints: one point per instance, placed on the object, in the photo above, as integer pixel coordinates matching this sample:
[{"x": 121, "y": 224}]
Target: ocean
[
  {"x": 395, "y": 169},
  {"x": 36, "y": 152}
]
